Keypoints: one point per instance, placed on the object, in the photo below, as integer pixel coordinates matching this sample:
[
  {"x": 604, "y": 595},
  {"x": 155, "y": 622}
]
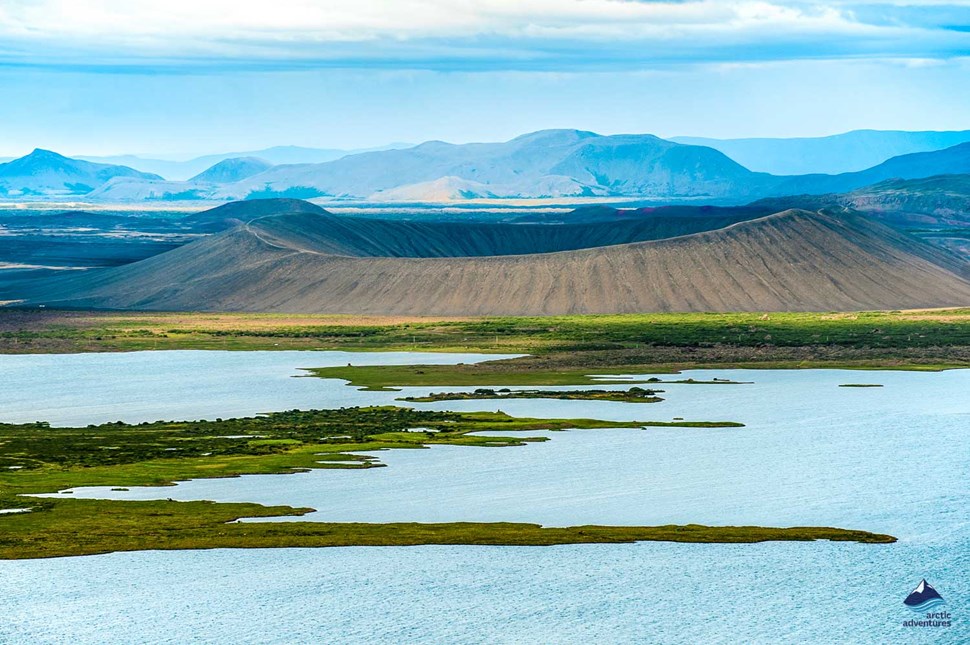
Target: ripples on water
[{"x": 891, "y": 459}]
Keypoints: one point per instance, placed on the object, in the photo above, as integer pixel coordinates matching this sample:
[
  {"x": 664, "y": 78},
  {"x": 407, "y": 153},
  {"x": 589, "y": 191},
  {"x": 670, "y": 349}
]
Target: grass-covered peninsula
[
  {"x": 632, "y": 395},
  {"x": 524, "y": 371},
  {"x": 36, "y": 458},
  {"x": 67, "y": 527}
]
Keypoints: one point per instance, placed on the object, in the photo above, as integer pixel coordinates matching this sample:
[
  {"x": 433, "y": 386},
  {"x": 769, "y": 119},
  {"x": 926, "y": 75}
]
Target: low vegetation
[
  {"x": 41, "y": 458},
  {"x": 68, "y": 527},
  {"x": 37, "y": 458},
  {"x": 565, "y": 350},
  {"x": 633, "y": 395},
  {"x": 523, "y": 371},
  {"x": 932, "y": 338}
]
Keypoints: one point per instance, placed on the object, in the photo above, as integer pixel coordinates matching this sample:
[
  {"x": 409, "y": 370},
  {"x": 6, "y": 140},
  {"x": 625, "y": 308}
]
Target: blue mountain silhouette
[{"x": 923, "y": 596}]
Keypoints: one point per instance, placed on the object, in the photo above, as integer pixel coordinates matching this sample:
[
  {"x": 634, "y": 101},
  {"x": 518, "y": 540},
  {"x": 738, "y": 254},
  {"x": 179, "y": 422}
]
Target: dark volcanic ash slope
[
  {"x": 794, "y": 260},
  {"x": 322, "y": 232}
]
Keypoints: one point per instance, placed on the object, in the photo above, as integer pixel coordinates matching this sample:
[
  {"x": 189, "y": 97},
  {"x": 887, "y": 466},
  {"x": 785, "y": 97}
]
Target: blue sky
[{"x": 199, "y": 76}]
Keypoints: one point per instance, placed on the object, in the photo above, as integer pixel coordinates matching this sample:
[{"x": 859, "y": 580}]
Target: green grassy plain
[{"x": 74, "y": 331}]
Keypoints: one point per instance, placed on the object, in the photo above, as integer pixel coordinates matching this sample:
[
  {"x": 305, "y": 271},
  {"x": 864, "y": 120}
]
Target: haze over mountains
[
  {"x": 181, "y": 170},
  {"x": 917, "y": 165},
  {"x": 229, "y": 171},
  {"x": 549, "y": 164},
  {"x": 302, "y": 259},
  {"x": 43, "y": 172},
  {"x": 840, "y": 153}
]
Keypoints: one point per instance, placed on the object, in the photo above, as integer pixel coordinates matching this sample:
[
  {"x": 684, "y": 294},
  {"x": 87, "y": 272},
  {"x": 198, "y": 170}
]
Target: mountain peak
[
  {"x": 40, "y": 158},
  {"x": 42, "y": 154},
  {"x": 233, "y": 169},
  {"x": 560, "y": 136},
  {"x": 47, "y": 172}
]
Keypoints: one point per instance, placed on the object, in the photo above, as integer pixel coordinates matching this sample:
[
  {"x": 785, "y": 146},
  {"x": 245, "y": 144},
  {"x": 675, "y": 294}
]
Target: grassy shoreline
[
  {"x": 88, "y": 527},
  {"x": 564, "y": 350},
  {"x": 633, "y": 395},
  {"x": 929, "y": 338},
  {"x": 120, "y": 455},
  {"x": 532, "y": 371}
]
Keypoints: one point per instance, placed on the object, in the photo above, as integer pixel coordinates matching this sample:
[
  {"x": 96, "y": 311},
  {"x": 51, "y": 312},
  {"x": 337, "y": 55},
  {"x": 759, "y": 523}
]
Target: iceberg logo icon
[{"x": 923, "y": 597}]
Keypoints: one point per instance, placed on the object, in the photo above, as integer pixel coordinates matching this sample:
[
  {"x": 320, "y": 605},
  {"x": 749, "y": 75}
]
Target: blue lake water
[
  {"x": 894, "y": 459},
  {"x": 78, "y": 389}
]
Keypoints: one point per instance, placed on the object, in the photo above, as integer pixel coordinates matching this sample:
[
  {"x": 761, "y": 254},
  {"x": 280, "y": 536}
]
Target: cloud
[{"x": 466, "y": 34}]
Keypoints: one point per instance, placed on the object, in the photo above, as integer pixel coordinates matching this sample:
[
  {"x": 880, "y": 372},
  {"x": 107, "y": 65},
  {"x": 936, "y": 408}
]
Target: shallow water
[
  {"x": 78, "y": 389},
  {"x": 891, "y": 459},
  {"x": 824, "y": 593}
]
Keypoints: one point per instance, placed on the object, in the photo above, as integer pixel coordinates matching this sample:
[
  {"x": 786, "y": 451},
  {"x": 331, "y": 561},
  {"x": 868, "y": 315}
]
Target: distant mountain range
[
  {"x": 840, "y": 153},
  {"x": 43, "y": 172},
  {"x": 917, "y": 165},
  {"x": 181, "y": 170},
  {"x": 303, "y": 259},
  {"x": 549, "y": 164}
]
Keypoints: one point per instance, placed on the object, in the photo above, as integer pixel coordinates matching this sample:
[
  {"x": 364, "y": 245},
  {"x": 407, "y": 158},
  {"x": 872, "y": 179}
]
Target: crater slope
[{"x": 312, "y": 261}]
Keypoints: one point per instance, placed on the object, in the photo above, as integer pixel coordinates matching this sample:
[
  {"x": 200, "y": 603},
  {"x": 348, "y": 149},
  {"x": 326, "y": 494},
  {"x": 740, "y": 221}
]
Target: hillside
[
  {"x": 232, "y": 214},
  {"x": 936, "y": 209},
  {"x": 840, "y": 153},
  {"x": 549, "y": 163},
  {"x": 232, "y": 170},
  {"x": 323, "y": 233},
  {"x": 312, "y": 262},
  {"x": 918, "y": 165},
  {"x": 43, "y": 172},
  {"x": 130, "y": 189},
  {"x": 182, "y": 170},
  {"x": 943, "y": 199}
]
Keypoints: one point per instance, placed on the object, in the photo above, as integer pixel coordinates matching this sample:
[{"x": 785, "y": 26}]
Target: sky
[{"x": 186, "y": 77}]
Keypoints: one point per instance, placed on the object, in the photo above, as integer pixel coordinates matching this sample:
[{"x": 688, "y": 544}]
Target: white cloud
[
  {"x": 342, "y": 20},
  {"x": 336, "y": 29}
]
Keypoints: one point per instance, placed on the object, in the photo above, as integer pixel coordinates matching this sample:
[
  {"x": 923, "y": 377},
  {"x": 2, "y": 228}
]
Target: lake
[
  {"x": 78, "y": 389},
  {"x": 891, "y": 459}
]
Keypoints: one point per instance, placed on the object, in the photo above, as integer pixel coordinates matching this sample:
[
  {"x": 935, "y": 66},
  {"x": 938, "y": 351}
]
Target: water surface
[
  {"x": 78, "y": 389},
  {"x": 891, "y": 459}
]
